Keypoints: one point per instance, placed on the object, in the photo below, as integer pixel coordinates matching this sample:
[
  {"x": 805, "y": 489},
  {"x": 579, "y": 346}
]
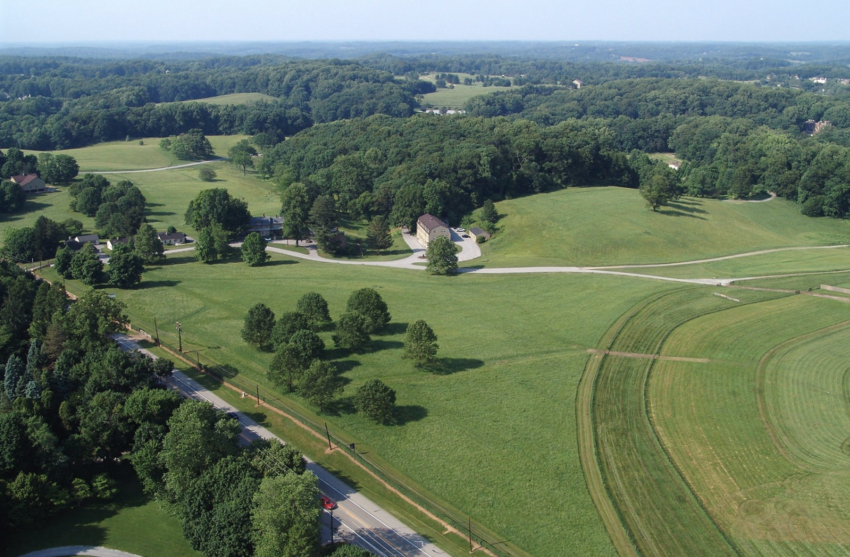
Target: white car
[{"x": 461, "y": 229}]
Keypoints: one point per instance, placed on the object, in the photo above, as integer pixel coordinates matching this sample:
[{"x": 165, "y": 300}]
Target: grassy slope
[
  {"x": 513, "y": 351},
  {"x": 167, "y": 192},
  {"x": 356, "y": 232},
  {"x": 457, "y": 97},
  {"x": 608, "y": 226},
  {"x": 132, "y": 522},
  {"x": 770, "y": 468}
]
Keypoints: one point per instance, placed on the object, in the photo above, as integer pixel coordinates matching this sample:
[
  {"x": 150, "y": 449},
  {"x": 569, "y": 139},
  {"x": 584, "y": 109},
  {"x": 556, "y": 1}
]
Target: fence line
[{"x": 486, "y": 539}]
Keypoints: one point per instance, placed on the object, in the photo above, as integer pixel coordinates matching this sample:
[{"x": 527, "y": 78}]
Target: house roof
[
  {"x": 261, "y": 221},
  {"x": 24, "y": 179},
  {"x": 475, "y": 231},
  {"x": 114, "y": 241},
  {"x": 429, "y": 222},
  {"x": 73, "y": 245},
  {"x": 171, "y": 236},
  {"x": 87, "y": 238}
]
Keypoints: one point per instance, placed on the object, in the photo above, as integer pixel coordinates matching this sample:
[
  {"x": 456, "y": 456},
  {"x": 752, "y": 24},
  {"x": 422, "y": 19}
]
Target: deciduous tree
[
  {"x": 287, "y": 325},
  {"x": 320, "y": 384},
  {"x": 259, "y": 323},
  {"x": 125, "y": 267},
  {"x": 148, "y": 246},
  {"x": 371, "y": 306},
  {"x": 286, "y": 516},
  {"x": 351, "y": 332},
  {"x": 420, "y": 344},
  {"x": 315, "y": 308},
  {"x": 442, "y": 256},
  {"x": 254, "y": 250},
  {"x": 376, "y": 401}
]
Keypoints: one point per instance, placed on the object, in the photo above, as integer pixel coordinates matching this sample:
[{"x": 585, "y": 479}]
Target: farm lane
[
  {"x": 152, "y": 169},
  {"x": 470, "y": 251},
  {"x": 357, "y": 519}
]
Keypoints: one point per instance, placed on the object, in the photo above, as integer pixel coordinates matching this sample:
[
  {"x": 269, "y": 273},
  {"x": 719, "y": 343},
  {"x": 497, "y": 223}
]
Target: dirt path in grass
[
  {"x": 649, "y": 356},
  {"x": 152, "y": 169},
  {"x": 770, "y": 198}
]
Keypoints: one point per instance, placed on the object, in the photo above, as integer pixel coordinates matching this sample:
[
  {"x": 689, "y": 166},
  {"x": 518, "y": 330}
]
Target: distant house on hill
[
  {"x": 30, "y": 183},
  {"x": 267, "y": 227},
  {"x": 429, "y": 228},
  {"x": 577, "y": 83},
  {"x": 477, "y": 233},
  {"x": 171, "y": 239}
]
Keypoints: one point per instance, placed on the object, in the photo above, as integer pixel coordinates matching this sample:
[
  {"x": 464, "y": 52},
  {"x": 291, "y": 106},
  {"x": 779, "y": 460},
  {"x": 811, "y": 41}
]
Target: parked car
[
  {"x": 328, "y": 503},
  {"x": 461, "y": 229}
]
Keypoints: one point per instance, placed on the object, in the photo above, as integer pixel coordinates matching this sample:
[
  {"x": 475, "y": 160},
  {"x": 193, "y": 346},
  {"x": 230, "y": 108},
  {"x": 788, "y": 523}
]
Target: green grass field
[
  {"x": 760, "y": 432},
  {"x": 234, "y": 99},
  {"x": 457, "y": 97},
  {"x": 130, "y": 155},
  {"x": 512, "y": 348},
  {"x": 132, "y": 522},
  {"x": 610, "y": 226},
  {"x": 168, "y": 192},
  {"x": 355, "y": 232},
  {"x": 776, "y": 263}
]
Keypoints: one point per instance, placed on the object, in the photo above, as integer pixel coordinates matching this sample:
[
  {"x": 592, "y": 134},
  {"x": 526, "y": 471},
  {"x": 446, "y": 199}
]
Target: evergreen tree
[
  {"x": 62, "y": 264},
  {"x": 378, "y": 234},
  {"x": 148, "y": 246},
  {"x": 488, "y": 212},
  {"x": 15, "y": 371}
]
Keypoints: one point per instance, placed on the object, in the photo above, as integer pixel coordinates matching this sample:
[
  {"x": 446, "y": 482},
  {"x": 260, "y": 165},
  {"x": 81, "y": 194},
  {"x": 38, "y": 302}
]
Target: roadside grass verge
[
  {"x": 131, "y": 522},
  {"x": 512, "y": 350},
  {"x": 611, "y": 226},
  {"x": 760, "y": 432}
]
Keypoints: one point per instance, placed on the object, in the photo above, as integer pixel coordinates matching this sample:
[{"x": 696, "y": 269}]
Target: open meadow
[
  {"x": 234, "y": 99},
  {"x": 456, "y": 98},
  {"x": 612, "y": 226},
  {"x": 512, "y": 352}
]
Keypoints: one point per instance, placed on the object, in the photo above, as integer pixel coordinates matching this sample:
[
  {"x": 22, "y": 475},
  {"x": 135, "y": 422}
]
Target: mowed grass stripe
[
  {"x": 661, "y": 513},
  {"x": 708, "y": 419}
]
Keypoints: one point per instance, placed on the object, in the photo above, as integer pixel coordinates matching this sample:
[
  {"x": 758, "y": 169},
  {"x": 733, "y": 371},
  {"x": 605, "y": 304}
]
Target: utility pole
[
  {"x": 156, "y": 328},
  {"x": 328, "y": 433},
  {"x": 332, "y": 526},
  {"x": 258, "y": 395},
  {"x": 469, "y": 529},
  {"x": 180, "y": 337}
]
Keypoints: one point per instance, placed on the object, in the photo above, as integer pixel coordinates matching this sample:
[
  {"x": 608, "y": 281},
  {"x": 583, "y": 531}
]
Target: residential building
[
  {"x": 169, "y": 239},
  {"x": 476, "y": 233},
  {"x": 111, "y": 243},
  {"x": 267, "y": 227},
  {"x": 87, "y": 239},
  {"x": 429, "y": 227}
]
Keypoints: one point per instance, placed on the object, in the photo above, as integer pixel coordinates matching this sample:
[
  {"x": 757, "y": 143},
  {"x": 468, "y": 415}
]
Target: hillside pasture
[
  {"x": 456, "y": 98},
  {"x": 612, "y": 226}
]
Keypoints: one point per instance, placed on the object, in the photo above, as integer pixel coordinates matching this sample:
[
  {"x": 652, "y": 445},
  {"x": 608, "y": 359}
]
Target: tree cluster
[
  {"x": 119, "y": 209},
  {"x": 190, "y": 146}
]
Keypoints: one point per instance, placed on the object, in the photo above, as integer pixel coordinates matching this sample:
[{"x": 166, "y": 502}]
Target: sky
[{"x": 87, "y": 21}]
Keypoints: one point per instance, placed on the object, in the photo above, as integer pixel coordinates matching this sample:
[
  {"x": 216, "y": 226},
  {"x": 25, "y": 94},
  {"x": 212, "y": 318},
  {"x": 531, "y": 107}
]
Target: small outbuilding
[
  {"x": 429, "y": 228},
  {"x": 30, "y": 183},
  {"x": 477, "y": 233}
]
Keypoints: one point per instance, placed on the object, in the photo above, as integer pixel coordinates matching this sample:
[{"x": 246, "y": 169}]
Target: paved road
[
  {"x": 357, "y": 520},
  {"x": 68, "y": 550},
  {"x": 151, "y": 169}
]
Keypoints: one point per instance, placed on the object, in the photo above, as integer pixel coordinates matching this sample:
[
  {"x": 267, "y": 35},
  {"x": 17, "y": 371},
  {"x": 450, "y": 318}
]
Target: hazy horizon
[{"x": 725, "y": 21}]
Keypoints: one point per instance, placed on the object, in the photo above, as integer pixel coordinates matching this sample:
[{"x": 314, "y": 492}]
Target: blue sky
[{"x": 45, "y": 21}]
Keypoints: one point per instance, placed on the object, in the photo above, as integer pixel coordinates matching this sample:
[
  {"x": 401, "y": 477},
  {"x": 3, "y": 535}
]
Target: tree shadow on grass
[
  {"x": 378, "y": 345},
  {"x": 686, "y": 207},
  {"x": 147, "y": 284},
  {"x": 341, "y": 406},
  {"x": 669, "y": 213},
  {"x": 409, "y": 413},
  {"x": 394, "y": 329},
  {"x": 345, "y": 366},
  {"x": 276, "y": 262},
  {"x": 447, "y": 366},
  {"x": 181, "y": 259}
]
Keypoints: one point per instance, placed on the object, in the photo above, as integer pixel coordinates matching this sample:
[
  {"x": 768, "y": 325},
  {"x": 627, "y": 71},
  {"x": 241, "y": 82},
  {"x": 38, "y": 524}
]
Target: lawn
[
  {"x": 760, "y": 432},
  {"x": 132, "y": 522},
  {"x": 610, "y": 226},
  {"x": 131, "y": 155},
  {"x": 512, "y": 352},
  {"x": 355, "y": 232}
]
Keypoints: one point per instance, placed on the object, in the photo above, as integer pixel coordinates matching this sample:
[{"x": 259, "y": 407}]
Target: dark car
[{"x": 328, "y": 503}]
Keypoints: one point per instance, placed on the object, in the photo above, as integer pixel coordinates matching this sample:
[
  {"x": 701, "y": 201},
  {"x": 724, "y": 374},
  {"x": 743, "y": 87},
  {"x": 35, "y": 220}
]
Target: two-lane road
[{"x": 356, "y": 519}]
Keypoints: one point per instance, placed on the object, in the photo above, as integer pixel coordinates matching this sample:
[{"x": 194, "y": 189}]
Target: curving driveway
[
  {"x": 69, "y": 550},
  {"x": 151, "y": 169}
]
